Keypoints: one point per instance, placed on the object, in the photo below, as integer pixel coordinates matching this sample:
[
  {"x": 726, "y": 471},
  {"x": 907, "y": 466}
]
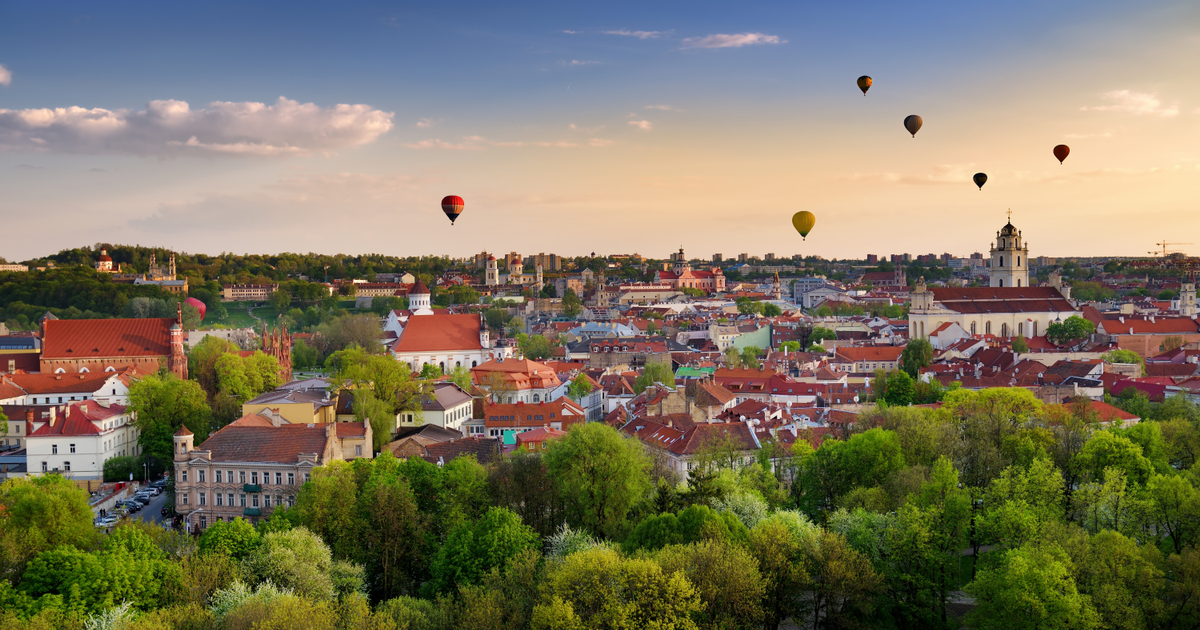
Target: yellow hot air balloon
[{"x": 803, "y": 221}]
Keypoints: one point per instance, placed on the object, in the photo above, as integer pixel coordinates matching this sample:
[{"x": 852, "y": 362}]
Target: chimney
[
  {"x": 53, "y": 415},
  {"x": 28, "y": 417}
]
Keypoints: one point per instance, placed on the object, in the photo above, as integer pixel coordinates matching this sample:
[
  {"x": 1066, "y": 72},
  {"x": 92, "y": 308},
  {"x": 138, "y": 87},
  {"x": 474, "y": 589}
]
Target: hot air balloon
[
  {"x": 452, "y": 205},
  {"x": 913, "y": 124},
  {"x": 1061, "y": 152},
  {"x": 980, "y": 179},
  {"x": 864, "y": 83},
  {"x": 198, "y": 305},
  {"x": 803, "y": 221}
]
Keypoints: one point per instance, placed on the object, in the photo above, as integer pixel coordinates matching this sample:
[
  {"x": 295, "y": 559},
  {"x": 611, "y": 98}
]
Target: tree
[
  {"x": 771, "y": 310},
  {"x": 382, "y": 386},
  {"x": 160, "y": 406},
  {"x": 601, "y": 474},
  {"x": 844, "y": 584},
  {"x": 780, "y": 543},
  {"x": 790, "y": 346},
  {"x": 1123, "y": 356},
  {"x": 820, "y": 334},
  {"x": 654, "y": 373},
  {"x": 917, "y": 354},
  {"x": 281, "y": 299},
  {"x": 726, "y": 578},
  {"x": 523, "y": 484},
  {"x": 746, "y": 306},
  {"x": 1175, "y": 509},
  {"x": 496, "y": 319},
  {"x": 40, "y": 513},
  {"x": 1172, "y": 342},
  {"x": 244, "y": 378},
  {"x": 580, "y": 386},
  {"x": 296, "y": 559},
  {"x": 572, "y": 306},
  {"x": 1030, "y": 588},
  {"x": 461, "y": 376},
  {"x": 474, "y": 549},
  {"x": 1074, "y": 328},
  {"x": 750, "y": 357},
  {"x": 534, "y": 347},
  {"x": 1019, "y": 345},
  {"x": 895, "y": 388},
  {"x": 236, "y": 538},
  {"x": 1107, "y": 449}
]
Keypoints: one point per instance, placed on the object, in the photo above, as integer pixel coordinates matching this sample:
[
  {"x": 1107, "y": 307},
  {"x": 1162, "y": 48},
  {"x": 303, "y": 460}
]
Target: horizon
[{"x": 606, "y": 128}]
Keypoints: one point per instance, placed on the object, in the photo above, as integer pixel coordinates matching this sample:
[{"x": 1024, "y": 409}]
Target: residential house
[{"x": 76, "y": 439}]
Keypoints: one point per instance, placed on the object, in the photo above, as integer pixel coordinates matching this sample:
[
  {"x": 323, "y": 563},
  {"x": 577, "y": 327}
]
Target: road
[{"x": 153, "y": 513}]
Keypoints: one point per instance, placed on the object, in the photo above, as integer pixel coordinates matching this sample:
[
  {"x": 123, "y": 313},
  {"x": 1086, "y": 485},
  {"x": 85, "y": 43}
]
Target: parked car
[
  {"x": 167, "y": 511},
  {"x": 144, "y": 497}
]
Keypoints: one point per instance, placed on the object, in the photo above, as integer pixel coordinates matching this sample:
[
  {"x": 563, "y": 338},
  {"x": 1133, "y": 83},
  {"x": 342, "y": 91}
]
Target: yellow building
[{"x": 299, "y": 402}]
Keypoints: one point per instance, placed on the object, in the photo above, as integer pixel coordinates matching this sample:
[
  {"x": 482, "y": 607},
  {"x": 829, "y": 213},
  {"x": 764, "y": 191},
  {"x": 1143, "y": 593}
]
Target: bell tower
[{"x": 1010, "y": 258}]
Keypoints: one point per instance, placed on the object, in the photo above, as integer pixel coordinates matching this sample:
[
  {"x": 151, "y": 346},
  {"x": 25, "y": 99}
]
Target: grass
[{"x": 237, "y": 316}]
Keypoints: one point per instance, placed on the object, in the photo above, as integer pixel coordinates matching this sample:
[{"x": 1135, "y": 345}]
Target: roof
[
  {"x": 184, "y": 431},
  {"x": 57, "y": 383},
  {"x": 540, "y": 434},
  {"x": 316, "y": 398},
  {"x": 438, "y": 332},
  {"x": 485, "y": 450},
  {"x": 251, "y": 442},
  {"x": 102, "y": 338},
  {"x": 1002, "y": 299},
  {"x": 564, "y": 410},
  {"x": 80, "y": 419},
  {"x": 419, "y": 289},
  {"x": 444, "y": 396},
  {"x": 870, "y": 353}
]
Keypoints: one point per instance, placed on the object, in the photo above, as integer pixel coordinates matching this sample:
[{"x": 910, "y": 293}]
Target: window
[
  {"x": 203, "y": 521},
  {"x": 1034, "y": 329},
  {"x": 183, "y": 475},
  {"x": 230, "y": 477},
  {"x": 1004, "y": 330},
  {"x": 72, "y": 448},
  {"x": 184, "y": 498},
  {"x": 230, "y": 496},
  {"x": 219, "y": 498},
  {"x": 218, "y": 478},
  {"x": 987, "y": 328},
  {"x": 1001, "y": 282},
  {"x": 266, "y": 478},
  {"x": 1020, "y": 328},
  {"x": 291, "y": 479},
  {"x": 54, "y": 449},
  {"x": 67, "y": 466},
  {"x": 200, "y": 476},
  {"x": 242, "y": 500},
  {"x": 45, "y": 467},
  {"x": 358, "y": 450},
  {"x": 1018, "y": 282},
  {"x": 203, "y": 499},
  {"x": 266, "y": 500},
  {"x": 254, "y": 478},
  {"x": 307, "y": 477},
  {"x": 279, "y": 479},
  {"x": 254, "y": 500},
  {"x": 241, "y": 476},
  {"x": 1001, "y": 263},
  {"x": 972, "y": 328},
  {"x": 1018, "y": 264}
]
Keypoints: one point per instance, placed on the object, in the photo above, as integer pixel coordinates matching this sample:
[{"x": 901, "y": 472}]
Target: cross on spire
[{"x": 1010, "y": 215}]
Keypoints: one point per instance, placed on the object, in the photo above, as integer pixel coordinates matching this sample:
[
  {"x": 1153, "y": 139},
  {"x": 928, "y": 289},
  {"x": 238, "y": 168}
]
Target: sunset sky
[{"x": 613, "y": 127}]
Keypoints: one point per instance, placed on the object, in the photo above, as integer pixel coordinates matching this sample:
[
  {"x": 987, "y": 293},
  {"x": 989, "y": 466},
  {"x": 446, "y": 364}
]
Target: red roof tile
[
  {"x": 426, "y": 333},
  {"x": 97, "y": 338}
]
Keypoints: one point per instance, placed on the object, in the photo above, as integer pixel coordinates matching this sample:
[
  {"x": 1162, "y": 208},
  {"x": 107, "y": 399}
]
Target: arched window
[
  {"x": 536, "y": 398},
  {"x": 1018, "y": 261},
  {"x": 1020, "y": 328},
  {"x": 1034, "y": 329},
  {"x": 1004, "y": 330},
  {"x": 458, "y": 364},
  {"x": 1002, "y": 282},
  {"x": 442, "y": 366},
  {"x": 1018, "y": 282},
  {"x": 987, "y": 328},
  {"x": 474, "y": 364},
  {"x": 972, "y": 328},
  {"x": 922, "y": 329},
  {"x": 83, "y": 370},
  {"x": 1001, "y": 261}
]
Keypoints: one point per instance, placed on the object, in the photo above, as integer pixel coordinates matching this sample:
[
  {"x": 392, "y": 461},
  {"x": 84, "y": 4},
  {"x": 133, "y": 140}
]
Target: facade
[
  {"x": 278, "y": 344},
  {"x": 296, "y": 402},
  {"x": 110, "y": 345},
  {"x": 518, "y": 380},
  {"x": 57, "y": 389},
  {"x": 247, "y": 292},
  {"x": 512, "y": 419},
  {"x": 866, "y": 359},
  {"x": 1010, "y": 259},
  {"x": 75, "y": 440},
  {"x": 443, "y": 340},
  {"x": 549, "y": 262},
  {"x": 682, "y": 276},
  {"x": 255, "y": 464}
]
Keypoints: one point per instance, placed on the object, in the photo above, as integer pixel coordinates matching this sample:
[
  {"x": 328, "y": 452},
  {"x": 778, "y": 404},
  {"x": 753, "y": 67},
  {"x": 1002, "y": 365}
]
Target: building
[
  {"x": 278, "y": 344},
  {"x": 76, "y": 439},
  {"x": 111, "y": 345},
  {"x": 247, "y": 292},
  {"x": 297, "y": 402},
  {"x": 12, "y": 267},
  {"x": 866, "y": 359},
  {"x": 894, "y": 279},
  {"x": 41, "y": 389},
  {"x": 447, "y": 406},
  {"x": 443, "y": 340},
  {"x": 508, "y": 420},
  {"x": 104, "y": 264},
  {"x": 1008, "y": 307},
  {"x": 255, "y": 464},
  {"x": 19, "y": 352},
  {"x": 518, "y": 381},
  {"x": 682, "y": 276},
  {"x": 548, "y": 262},
  {"x": 535, "y": 440}
]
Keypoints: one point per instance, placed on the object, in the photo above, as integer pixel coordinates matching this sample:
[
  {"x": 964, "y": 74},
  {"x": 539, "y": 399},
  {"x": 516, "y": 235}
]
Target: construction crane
[{"x": 1164, "y": 252}]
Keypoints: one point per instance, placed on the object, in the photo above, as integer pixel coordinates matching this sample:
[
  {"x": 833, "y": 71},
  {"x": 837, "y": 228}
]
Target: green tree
[
  {"x": 296, "y": 559},
  {"x": 1175, "y": 509},
  {"x": 1107, "y": 449},
  {"x": 654, "y": 373},
  {"x": 461, "y": 376},
  {"x": 1073, "y": 329},
  {"x": 40, "y": 513},
  {"x": 236, "y": 538},
  {"x": 1019, "y": 345},
  {"x": 474, "y": 549},
  {"x": 771, "y": 310},
  {"x": 1031, "y": 588},
  {"x": 160, "y": 406},
  {"x": 601, "y": 474},
  {"x": 571, "y": 304},
  {"x": 820, "y": 334},
  {"x": 534, "y": 347},
  {"x": 780, "y": 543},
  {"x": 726, "y": 577},
  {"x": 382, "y": 386},
  {"x": 917, "y": 354},
  {"x": 896, "y": 387},
  {"x": 243, "y": 378},
  {"x": 580, "y": 386},
  {"x": 1123, "y": 356}
]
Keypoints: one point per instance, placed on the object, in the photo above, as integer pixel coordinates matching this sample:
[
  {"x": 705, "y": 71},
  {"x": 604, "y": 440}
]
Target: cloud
[
  {"x": 638, "y": 34},
  {"x": 172, "y": 128},
  {"x": 1077, "y": 136},
  {"x": 1137, "y": 103},
  {"x": 732, "y": 41},
  {"x": 571, "y": 32},
  {"x": 941, "y": 174},
  {"x": 426, "y": 123},
  {"x": 30, "y": 167},
  {"x": 5, "y": 76},
  {"x": 665, "y": 108},
  {"x": 644, "y": 125},
  {"x": 576, "y": 62},
  {"x": 480, "y": 143}
]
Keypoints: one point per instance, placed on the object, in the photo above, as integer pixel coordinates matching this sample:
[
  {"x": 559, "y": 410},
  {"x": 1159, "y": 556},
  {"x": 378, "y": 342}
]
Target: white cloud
[
  {"x": 577, "y": 62},
  {"x": 480, "y": 143},
  {"x": 644, "y": 125},
  {"x": 572, "y": 32},
  {"x": 426, "y": 123},
  {"x": 1077, "y": 136},
  {"x": 941, "y": 174},
  {"x": 665, "y": 108},
  {"x": 732, "y": 41},
  {"x": 173, "y": 128},
  {"x": 1137, "y": 103},
  {"x": 638, "y": 34},
  {"x": 439, "y": 144},
  {"x": 5, "y": 75}
]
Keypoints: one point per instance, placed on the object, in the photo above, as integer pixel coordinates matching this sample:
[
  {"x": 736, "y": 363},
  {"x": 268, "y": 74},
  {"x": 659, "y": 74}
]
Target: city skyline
[{"x": 604, "y": 128}]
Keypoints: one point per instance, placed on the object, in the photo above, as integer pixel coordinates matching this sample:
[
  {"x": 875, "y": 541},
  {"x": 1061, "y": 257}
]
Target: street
[{"x": 152, "y": 513}]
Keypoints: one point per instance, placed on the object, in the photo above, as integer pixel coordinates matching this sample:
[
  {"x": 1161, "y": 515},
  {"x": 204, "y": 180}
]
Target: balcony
[
  {"x": 251, "y": 488},
  {"x": 251, "y": 512}
]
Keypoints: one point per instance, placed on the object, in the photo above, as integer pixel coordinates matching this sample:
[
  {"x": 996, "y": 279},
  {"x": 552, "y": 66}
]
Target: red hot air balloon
[
  {"x": 452, "y": 205},
  {"x": 1061, "y": 152},
  {"x": 199, "y": 306}
]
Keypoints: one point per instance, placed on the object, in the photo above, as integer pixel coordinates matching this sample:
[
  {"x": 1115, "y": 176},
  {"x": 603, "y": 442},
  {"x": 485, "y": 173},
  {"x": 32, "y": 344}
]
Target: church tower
[
  {"x": 516, "y": 270},
  {"x": 419, "y": 300},
  {"x": 1010, "y": 259},
  {"x": 1187, "y": 300},
  {"x": 777, "y": 288},
  {"x": 539, "y": 278},
  {"x": 492, "y": 275},
  {"x": 681, "y": 263}
]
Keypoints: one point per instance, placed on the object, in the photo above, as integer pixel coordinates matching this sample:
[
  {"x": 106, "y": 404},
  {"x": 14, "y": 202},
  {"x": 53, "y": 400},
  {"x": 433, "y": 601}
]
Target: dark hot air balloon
[
  {"x": 198, "y": 305},
  {"x": 913, "y": 124},
  {"x": 864, "y": 83},
  {"x": 452, "y": 205},
  {"x": 980, "y": 179},
  {"x": 803, "y": 221},
  {"x": 1061, "y": 152}
]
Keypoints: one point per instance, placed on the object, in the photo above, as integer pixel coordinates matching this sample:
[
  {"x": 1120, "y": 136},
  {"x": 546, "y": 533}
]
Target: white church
[
  {"x": 1007, "y": 307},
  {"x": 443, "y": 339}
]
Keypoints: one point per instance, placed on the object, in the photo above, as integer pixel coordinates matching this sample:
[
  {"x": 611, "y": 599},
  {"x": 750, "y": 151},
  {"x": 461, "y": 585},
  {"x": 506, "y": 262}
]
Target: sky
[{"x": 614, "y": 127}]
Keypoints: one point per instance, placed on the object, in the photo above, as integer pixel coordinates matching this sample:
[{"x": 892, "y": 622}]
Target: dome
[
  {"x": 1008, "y": 230},
  {"x": 104, "y": 257},
  {"x": 516, "y": 258},
  {"x": 491, "y": 257},
  {"x": 419, "y": 289}
]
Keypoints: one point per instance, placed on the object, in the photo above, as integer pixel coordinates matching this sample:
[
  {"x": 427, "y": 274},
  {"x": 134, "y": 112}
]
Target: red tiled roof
[
  {"x": 870, "y": 353},
  {"x": 563, "y": 410},
  {"x": 60, "y": 383},
  {"x": 250, "y": 443},
  {"x": 540, "y": 434},
  {"x": 101, "y": 338},
  {"x": 426, "y": 333},
  {"x": 80, "y": 419}
]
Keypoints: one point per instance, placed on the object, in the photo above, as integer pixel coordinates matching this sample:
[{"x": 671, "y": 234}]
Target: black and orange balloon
[
  {"x": 864, "y": 83},
  {"x": 1061, "y": 152},
  {"x": 452, "y": 205},
  {"x": 913, "y": 124},
  {"x": 980, "y": 179}
]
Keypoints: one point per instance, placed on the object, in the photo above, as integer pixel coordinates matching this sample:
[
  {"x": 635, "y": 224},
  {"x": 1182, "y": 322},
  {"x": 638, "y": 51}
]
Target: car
[
  {"x": 144, "y": 497},
  {"x": 166, "y": 511},
  {"x": 133, "y": 505}
]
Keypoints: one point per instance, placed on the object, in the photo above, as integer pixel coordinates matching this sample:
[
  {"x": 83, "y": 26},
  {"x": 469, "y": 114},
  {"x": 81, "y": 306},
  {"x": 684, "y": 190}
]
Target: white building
[
  {"x": 54, "y": 389},
  {"x": 443, "y": 340},
  {"x": 447, "y": 406},
  {"x": 77, "y": 439},
  {"x": 1010, "y": 259}
]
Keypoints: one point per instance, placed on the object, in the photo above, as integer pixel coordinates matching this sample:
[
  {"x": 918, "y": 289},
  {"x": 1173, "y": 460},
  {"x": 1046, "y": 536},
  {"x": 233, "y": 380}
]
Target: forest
[{"x": 990, "y": 511}]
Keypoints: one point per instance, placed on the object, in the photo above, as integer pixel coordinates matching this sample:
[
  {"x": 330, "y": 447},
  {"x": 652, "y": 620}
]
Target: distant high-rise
[
  {"x": 549, "y": 262},
  {"x": 872, "y": 259},
  {"x": 717, "y": 258}
]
